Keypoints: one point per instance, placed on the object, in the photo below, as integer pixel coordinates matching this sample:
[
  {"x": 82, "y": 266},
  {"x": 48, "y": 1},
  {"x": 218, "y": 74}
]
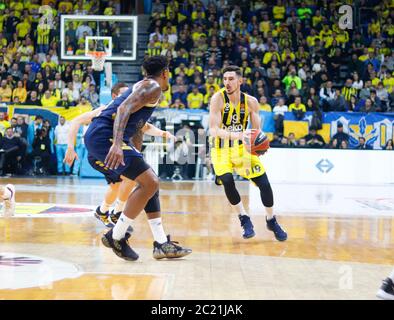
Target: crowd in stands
[
  {"x": 32, "y": 74},
  {"x": 293, "y": 54}
]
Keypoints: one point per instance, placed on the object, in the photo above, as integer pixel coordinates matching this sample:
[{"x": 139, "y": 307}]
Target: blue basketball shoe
[
  {"x": 247, "y": 225},
  {"x": 274, "y": 226}
]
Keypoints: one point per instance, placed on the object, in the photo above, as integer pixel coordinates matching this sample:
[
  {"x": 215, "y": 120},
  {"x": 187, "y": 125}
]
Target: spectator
[
  {"x": 178, "y": 104},
  {"x": 83, "y": 103},
  {"x": 389, "y": 145},
  {"x": 376, "y": 102},
  {"x": 181, "y": 94},
  {"x": 348, "y": 90},
  {"x": 61, "y": 132},
  {"x": 48, "y": 100},
  {"x": 314, "y": 140},
  {"x": 339, "y": 102},
  {"x": 4, "y": 124},
  {"x": 208, "y": 96},
  {"x": 344, "y": 145},
  {"x": 20, "y": 92},
  {"x": 5, "y": 92},
  {"x": 291, "y": 140},
  {"x": 21, "y": 129},
  {"x": 291, "y": 76},
  {"x": 297, "y": 108},
  {"x": 64, "y": 102},
  {"x": 362, "y": 144},
  {"x": 10, "y": 152},
  {"x": 302, "y": 143},
  {"x": 264, "y": 106},
  {"x": 195, "y": 99},
  {"x": 383, "y": 95},
  {"x": 353, "y": 104},
  {"x": 327, "y": 95},
  {"x": 83, "y": 28},
  {"x": 33, "y": 99},
  {"x": 366, "y": 91},
  {"x": 340, "y": 136},
  {"x": 42, "y": 150},
  {"x": 92, "y": 96},
  {"x": 279, "y": 114}
]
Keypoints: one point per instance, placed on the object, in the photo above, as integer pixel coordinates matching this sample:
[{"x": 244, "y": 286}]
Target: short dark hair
[
  {"x": 233, "y": 68},
  {"x": 116, "y": 88},
  {"x": 155, "y": 65}
]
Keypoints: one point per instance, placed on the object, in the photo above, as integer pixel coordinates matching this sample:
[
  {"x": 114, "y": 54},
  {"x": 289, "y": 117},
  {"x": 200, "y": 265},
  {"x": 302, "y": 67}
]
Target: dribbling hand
[{"x": 114, "y": 157}]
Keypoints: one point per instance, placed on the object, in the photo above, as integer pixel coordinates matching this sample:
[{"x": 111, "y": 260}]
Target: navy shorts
[{"x": 98, "y": 147}]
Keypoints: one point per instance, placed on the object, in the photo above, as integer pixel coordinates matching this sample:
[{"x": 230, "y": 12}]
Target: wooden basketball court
[{"x": 51, "y": 249}]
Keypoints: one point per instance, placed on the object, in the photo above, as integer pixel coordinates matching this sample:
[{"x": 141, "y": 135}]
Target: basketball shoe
[
  {"x": 247, "y": 225},
  {"x": 169, "y": 249},
  {"x": 120, "y": 247},
  {"x": 274, "y": 226},
  {"x": 386, "y": 291},
  {"x": 103, "y": 217}
]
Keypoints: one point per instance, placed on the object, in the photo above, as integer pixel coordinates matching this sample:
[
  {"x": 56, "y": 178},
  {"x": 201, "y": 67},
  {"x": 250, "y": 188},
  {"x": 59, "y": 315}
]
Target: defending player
[{"x": 108, "y": 141}]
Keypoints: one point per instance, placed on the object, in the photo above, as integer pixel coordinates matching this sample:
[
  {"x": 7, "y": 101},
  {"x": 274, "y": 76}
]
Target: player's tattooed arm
[{"x": 147, "y": 93}]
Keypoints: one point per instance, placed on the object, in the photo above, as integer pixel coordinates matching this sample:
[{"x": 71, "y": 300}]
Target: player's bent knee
[
  {"x": 149, "y": 181},
  {"x": 265, "y": 190},
  {"x": 153, "y": 204},
  {"x": 230, "y": 189}
]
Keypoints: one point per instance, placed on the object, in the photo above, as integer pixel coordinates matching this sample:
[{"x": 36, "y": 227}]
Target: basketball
[{"x": 256, "y": 142}]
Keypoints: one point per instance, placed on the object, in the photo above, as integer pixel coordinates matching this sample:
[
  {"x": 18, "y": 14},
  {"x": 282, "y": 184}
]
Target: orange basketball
[{"x": 256, "y": 142}]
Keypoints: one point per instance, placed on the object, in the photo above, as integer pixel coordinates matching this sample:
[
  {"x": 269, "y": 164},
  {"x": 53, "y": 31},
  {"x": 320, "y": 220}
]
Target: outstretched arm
[
  {"x": 83, "y": 119},
  {"x": 151, "y": 130},
  {"x": 148, "y": 92}
]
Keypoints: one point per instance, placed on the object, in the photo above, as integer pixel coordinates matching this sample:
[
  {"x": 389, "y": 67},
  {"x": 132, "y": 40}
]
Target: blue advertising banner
[{"x": 376, "y": 128}]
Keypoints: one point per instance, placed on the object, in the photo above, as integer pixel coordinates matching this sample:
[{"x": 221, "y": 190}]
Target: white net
[{"x": 98, "y": 60}]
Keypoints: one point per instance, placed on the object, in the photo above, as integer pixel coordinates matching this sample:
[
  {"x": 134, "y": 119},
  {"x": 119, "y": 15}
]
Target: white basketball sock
[
  {"x": 104, "y": 207},
  {"x": 269, "y": 212},
  {"x": 119, "y": 206},
  {"x": 239, "y": 208},
  {"x": 119, "y": 231},
  {"x": 158, "y": 233}
]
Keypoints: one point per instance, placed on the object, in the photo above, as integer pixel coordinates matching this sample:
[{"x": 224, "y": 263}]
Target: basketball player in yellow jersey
[{"x": 230, "y": 112}]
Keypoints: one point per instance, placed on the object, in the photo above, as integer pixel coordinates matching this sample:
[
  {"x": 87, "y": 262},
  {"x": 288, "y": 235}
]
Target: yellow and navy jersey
[{"x": 234, "y": 119}]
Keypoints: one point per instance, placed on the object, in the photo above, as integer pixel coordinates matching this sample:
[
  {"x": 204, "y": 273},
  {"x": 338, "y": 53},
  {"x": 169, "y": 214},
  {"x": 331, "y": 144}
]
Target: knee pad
[
  {"x": 229, "y": 187},
  {"x": 266, "y": 194},
  {"x": 153, "y": 204}
]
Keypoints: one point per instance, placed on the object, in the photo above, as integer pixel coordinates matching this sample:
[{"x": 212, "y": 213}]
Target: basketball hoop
[{"x": 98, "y": 59}]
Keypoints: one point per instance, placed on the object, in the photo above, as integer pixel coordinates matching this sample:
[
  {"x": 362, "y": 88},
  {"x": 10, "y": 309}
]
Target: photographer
[{"x": 42, "y": 149}]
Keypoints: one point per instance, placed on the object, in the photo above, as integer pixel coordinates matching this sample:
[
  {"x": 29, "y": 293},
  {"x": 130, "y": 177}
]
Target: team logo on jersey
[{"x": 227, "y": 107}]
